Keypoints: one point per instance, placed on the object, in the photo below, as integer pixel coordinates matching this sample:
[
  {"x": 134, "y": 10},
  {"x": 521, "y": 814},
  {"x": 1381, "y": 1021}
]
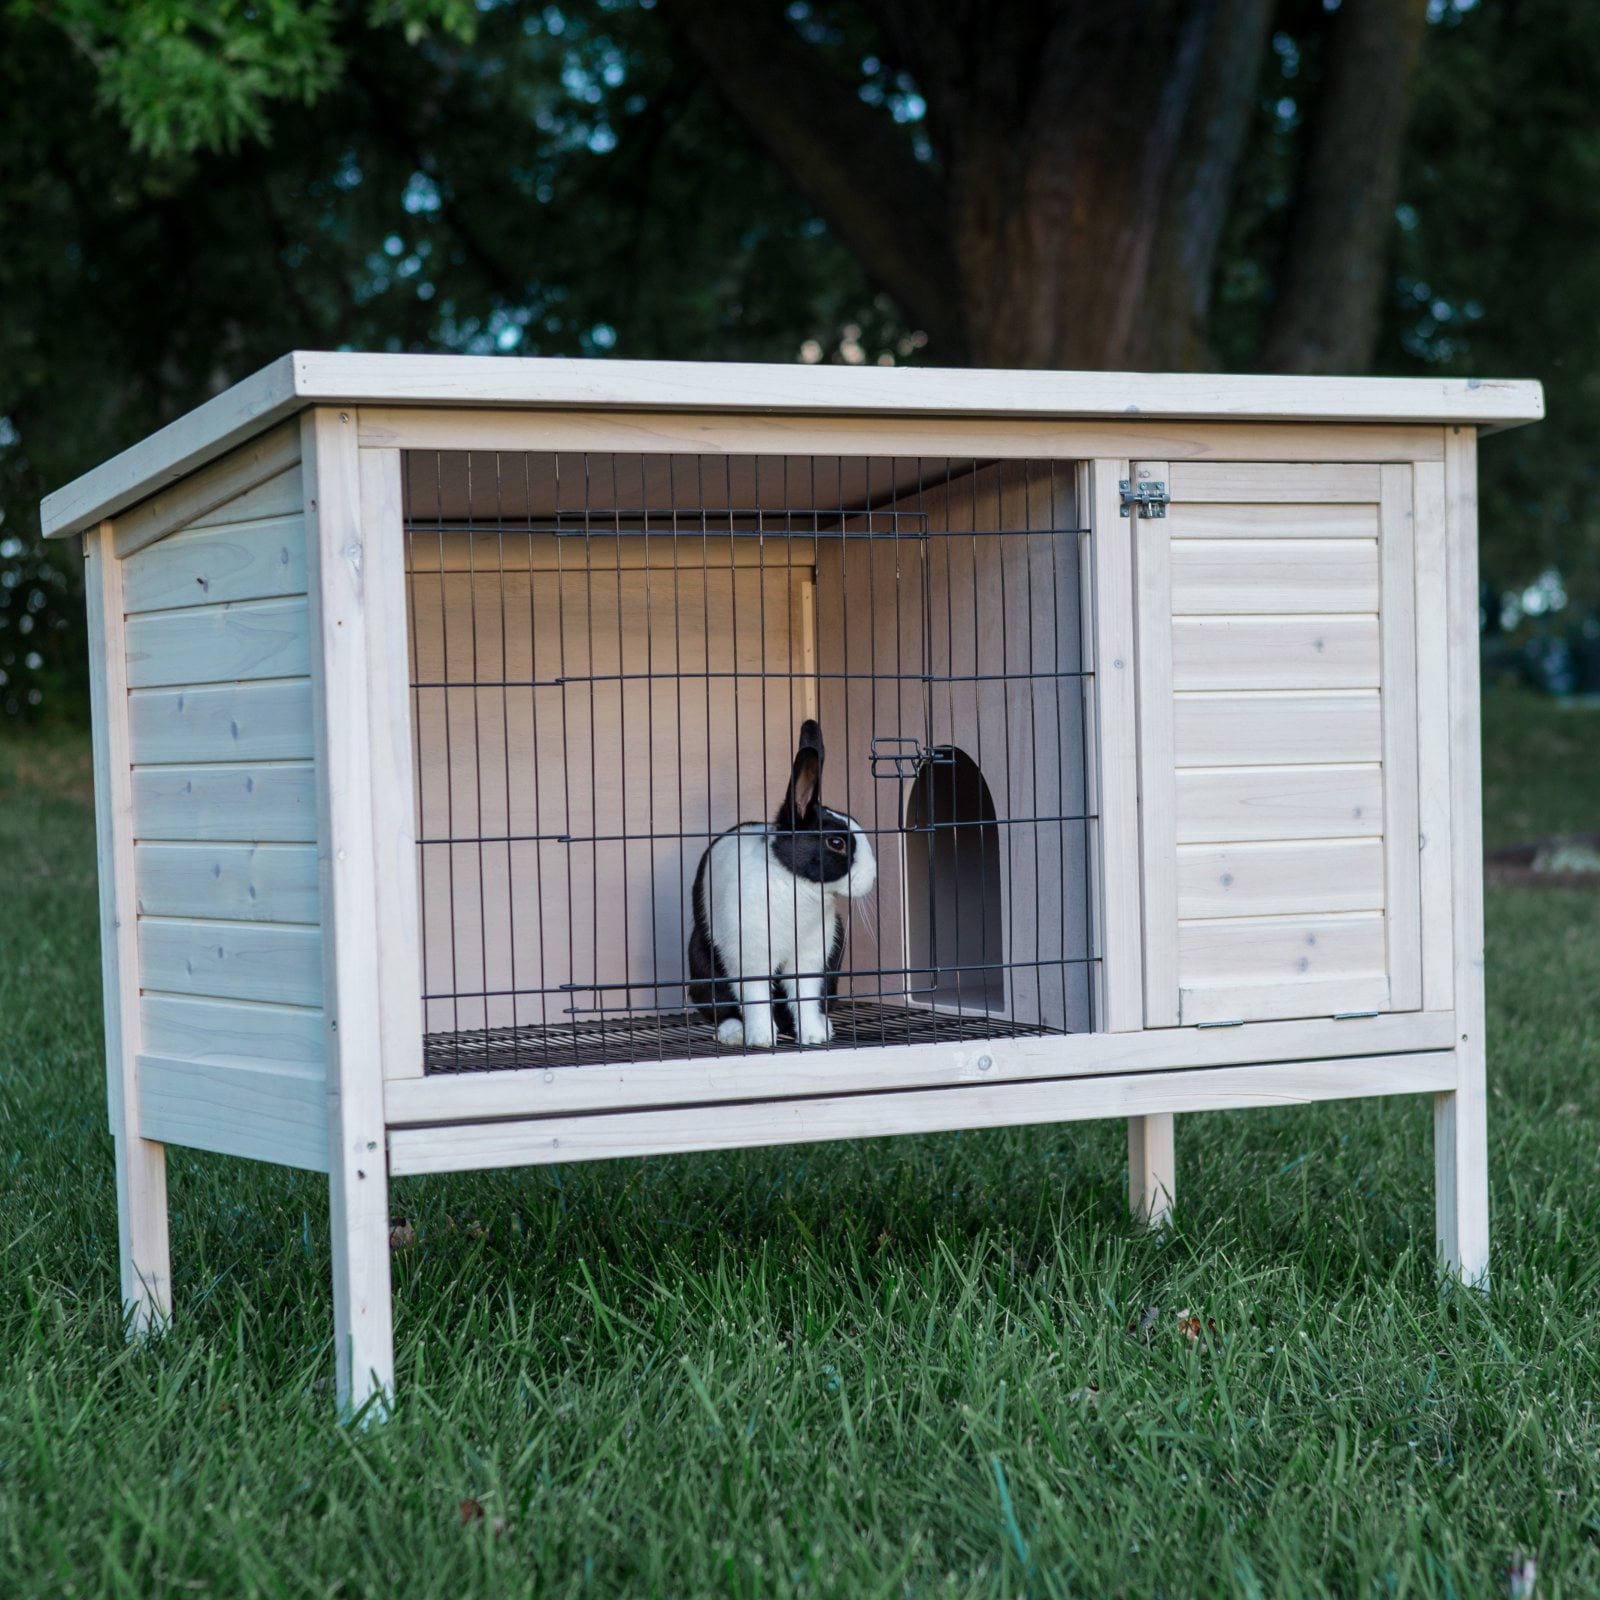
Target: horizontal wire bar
[
  {"x": 608, "y": 529},
  {"x": 931, "y": 679},
  {"x": 559, "y": 989},
  {"x": 662, "y": 838}
]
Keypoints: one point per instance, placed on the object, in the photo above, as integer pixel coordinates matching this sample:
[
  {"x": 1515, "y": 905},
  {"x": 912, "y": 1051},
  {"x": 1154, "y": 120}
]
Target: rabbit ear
[{"x": 804, "y": 781}]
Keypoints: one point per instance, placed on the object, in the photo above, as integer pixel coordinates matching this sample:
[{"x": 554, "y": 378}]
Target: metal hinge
[{"x": 1152, "y": 499}]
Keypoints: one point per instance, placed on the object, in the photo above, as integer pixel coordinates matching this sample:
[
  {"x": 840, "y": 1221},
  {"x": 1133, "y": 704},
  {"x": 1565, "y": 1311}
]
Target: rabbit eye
[{"x": 836, "y": 841}]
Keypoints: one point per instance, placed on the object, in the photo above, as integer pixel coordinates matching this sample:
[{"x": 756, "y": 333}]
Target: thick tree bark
[
  {"x": 1341, "y": 226},
  {"x": 1087, "y": 154},
  {"x": 1091, "y": 152}
]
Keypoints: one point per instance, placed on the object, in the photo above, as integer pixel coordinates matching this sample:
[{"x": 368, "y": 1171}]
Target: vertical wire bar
[
  {"x": 848, "y": 679},
  {"x": 595, "y": 998},
  {"x": 978, "y": 731},
  {"x": 656, "y": 1005},
  {"x": 539, "y": 828},
  {"x": 705, "y": 622},
  {"x": 760, "y": 536},
  {"x": 479, "y": 849},
  {"x": 874, "y": 623},
  {"x": 684, "y": 880},
  {"x": 553, "y": 991},
  {"x": 505, "y": 730},
  {"x": 1009, "y": 867},
  {"x": 449, "y": 744},
  {"x": 625, "y": 827},
  {"x": 1059, "y": 728},
  {"x": 925, "y": 695},
  {"x": 1088, "y": 662},
  {"x": 931, "y": 806},
  {"x": 1033, "y": 680}
]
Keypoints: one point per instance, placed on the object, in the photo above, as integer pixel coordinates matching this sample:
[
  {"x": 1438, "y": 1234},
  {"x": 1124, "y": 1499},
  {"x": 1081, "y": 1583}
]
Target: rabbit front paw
[{"x": 815, "y": 1028}]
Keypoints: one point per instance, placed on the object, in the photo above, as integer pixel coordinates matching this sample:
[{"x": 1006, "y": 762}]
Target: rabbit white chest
[{"x": 768, "y": 936}]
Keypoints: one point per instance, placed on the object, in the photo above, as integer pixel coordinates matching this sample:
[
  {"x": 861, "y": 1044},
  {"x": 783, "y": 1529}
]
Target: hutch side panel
[
  {"x": 1279, "y": 741},
  {"x": 225, "y": 828}
]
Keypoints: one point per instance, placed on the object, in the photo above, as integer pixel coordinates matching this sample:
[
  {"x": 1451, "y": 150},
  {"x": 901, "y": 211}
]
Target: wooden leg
[
  {"x": 1151, "y": 1177},
  {"x": 142, "y": 1234},
  {"x": 363, "y": 1315},
  {"x": 1461, "y": 1180}
]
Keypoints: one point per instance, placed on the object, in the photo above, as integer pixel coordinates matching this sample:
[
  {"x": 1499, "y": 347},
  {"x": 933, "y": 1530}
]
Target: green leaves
[{"x": 185, "y": 75}]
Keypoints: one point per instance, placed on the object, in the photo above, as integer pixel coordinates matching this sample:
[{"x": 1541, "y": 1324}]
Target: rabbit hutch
[{"x": 1113, "y": 736}]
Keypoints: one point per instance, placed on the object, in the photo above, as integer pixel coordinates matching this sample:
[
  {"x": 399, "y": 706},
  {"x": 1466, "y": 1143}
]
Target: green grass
[{"x": 895, "y": 1368}]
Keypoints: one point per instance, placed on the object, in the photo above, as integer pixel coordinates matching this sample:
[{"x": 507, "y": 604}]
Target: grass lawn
[{"x": 896, "y": 1368}]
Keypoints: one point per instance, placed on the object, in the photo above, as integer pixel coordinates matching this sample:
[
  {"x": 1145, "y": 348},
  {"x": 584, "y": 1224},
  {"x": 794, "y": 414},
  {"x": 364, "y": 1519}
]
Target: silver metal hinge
[{"x": 1152, "y": 499}]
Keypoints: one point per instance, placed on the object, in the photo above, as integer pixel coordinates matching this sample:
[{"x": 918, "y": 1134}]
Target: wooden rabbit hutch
[{"x": 423, "y": 686}]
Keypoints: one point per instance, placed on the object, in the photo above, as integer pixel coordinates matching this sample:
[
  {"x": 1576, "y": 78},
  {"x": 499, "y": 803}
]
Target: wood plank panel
[
  {"x": 268, "y": 721},
  {"x": 1273, "y": 949},
  {"x": 1246, "y": 730},
  {"x": 1339, "y": 1001},
  {"x": 214, "y": 644},
  {"x": 1309, "y": 876},
  {"x": 1402, "y": 898},
  {"x": 247, "y": 882},
  {"x": 467, "y": 1148},
  {"x": 1313, "y": 652},
  {"x": 1234, "y": 577},
  {"x": 1433, "y": 734},
  {"x": 251, "y": 803},
  {"x": 264, "y": 1113},
  {"x": 262, "y": 561},
  {"x": 1319, "y": 483},
  {"x": 231, "y": 960},
  {"x": 1271, "y": 521},
  {"x": 1279, "y": 803},
  {"x": 261, "y": 458},
  {"x": 473, "y": 1096},
  {"x": 201, "y": 1029},
  {"x": 281, "y": 496}
]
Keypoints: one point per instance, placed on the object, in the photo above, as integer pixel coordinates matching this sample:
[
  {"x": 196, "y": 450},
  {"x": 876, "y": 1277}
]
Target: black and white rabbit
[{"x": 768, "y": 931}]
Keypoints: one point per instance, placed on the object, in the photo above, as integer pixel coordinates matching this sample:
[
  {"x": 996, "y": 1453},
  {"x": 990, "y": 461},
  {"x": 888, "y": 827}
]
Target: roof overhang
[{"x": 311, "y": 378}]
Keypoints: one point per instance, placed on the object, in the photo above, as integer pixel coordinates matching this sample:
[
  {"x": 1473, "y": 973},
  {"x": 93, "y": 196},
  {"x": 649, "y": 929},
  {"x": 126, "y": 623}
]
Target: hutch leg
[
  {"x": 146, "y": 1262},
  {"x": 363, "y": 1313},
  {"x": 1461, "y": 1177},
  {"x": 1151, "y": 1164}
]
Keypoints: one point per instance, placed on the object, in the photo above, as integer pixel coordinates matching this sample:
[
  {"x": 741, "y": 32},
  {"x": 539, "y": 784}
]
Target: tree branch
[
  {"x": 1330, "y": 290},
  {"x": 844, "y": 156}
]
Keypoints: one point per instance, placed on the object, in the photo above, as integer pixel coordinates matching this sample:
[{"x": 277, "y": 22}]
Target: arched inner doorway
[{"x": 953, "y": 910}]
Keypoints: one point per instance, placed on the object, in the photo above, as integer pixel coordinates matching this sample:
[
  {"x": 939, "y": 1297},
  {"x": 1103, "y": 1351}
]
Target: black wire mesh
[{"x": 612, "y": 657}]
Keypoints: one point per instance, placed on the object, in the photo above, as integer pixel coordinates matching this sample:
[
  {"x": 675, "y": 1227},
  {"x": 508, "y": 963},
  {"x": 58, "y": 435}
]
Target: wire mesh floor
[{"x": 684, "y": 1035}]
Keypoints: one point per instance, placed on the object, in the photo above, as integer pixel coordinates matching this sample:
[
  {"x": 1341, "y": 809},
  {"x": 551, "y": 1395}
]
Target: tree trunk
[
  {"x": 1330, "y": 290},
  {"x": 1086, "y": 163},
  {"x": 1086, "y": 230}
]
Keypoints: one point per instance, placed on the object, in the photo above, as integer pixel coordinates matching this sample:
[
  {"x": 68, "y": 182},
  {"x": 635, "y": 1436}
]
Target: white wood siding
[
  {"x": 224, "y": 813},
  {"x": 1278, "y": 725}
]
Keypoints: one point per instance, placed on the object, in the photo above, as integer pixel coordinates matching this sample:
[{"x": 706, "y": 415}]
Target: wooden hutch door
[{"x": 1278, "y": 780}]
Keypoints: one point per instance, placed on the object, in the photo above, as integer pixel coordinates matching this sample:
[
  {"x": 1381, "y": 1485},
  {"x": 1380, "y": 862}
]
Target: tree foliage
[{"x": 570, "y": 179}]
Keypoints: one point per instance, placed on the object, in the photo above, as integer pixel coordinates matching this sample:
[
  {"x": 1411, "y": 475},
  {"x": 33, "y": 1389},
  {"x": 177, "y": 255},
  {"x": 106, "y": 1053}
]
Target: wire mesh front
[{"x": 614, "y": 660}]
